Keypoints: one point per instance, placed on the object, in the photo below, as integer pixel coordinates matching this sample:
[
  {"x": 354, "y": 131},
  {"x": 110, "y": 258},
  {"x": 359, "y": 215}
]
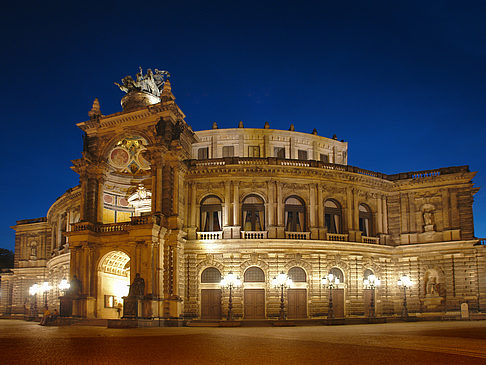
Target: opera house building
[{"x": 278, "y": 210}]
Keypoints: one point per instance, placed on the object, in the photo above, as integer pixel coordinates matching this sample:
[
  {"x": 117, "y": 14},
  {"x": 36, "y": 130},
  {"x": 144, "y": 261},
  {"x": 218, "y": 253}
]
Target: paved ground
[{"x": 392, "y": 343}]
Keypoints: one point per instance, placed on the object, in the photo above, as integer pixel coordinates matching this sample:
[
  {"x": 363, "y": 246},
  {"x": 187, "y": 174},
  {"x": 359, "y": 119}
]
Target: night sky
[{"x": 404, "y": 82}]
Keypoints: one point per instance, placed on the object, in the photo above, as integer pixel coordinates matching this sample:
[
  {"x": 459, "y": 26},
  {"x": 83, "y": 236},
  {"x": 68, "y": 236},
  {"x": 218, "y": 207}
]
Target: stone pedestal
[
  {"x": 132, "y": 307},
  {"x": 432, "y": 301},
  {"x": 84, "y": 307},
  {"x": 429, "y": 228},
  {"x": 65, "y": 306},
  {"x": 173, "y": 307}
]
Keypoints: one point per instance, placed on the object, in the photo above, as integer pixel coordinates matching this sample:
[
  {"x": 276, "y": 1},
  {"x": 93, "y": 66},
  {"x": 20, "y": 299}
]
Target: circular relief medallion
[{"x": 119, "y": 157}]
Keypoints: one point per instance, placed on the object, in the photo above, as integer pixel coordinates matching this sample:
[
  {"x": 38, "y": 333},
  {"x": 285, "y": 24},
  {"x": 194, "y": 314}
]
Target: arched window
[
  {"x": 294, "y": 214},
  {"x": 210, "y": 275},
  {"x": 297, "y": 274},
  {"x": 211, "y": 214},
  {"x": 254, "y": 275},
  {"x": 333, "y": 216},
  {"x": 337, "y": 273},
  {"x": 367, "y": 273},
  {"x": 365, "y": 220},
  {"x": 253, "y": 209}
]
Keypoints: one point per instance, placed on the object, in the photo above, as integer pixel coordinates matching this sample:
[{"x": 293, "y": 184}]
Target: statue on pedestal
[{"x": 137, "y": 288}]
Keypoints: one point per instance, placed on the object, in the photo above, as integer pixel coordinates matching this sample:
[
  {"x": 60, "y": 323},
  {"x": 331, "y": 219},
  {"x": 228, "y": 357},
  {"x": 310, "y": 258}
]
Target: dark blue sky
[{"x": 404, "y": 82}]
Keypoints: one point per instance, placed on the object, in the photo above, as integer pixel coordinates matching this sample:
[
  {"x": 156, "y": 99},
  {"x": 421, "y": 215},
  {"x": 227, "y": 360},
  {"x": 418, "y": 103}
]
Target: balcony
[
  {"x": 254, "y": 235},
  {"x": 209, "y": 235},
  {"x": 373, "y": 240},
  {"x": 113, "y": 227},
  {"x": 337, "y": 237},
  {"x": 297, "y": 235}
]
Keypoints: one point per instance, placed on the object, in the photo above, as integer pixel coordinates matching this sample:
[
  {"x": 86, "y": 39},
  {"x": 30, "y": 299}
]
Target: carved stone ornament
[{"x": 144, "y": 90}]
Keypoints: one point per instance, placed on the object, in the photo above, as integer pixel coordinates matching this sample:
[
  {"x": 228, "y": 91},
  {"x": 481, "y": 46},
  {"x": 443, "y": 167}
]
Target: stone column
[
  {"x": 312, "y": 212},
  {"x": 280, "y": 212},
  {"x": 236, "y": 211}
]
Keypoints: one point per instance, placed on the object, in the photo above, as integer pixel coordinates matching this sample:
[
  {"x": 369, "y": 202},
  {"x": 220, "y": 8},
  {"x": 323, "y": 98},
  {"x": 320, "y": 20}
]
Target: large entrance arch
[{"x": 113, "y": 284}]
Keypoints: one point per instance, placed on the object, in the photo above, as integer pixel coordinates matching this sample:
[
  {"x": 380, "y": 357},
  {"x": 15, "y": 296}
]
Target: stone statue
[
  {"x": 160, "y": 127},
  {"x": 151, "y": 83},
  {"x": 428, "y": 218},
  {"x": 431, "y": 286},
  {"x": 75, "y": 287},
  {"x": 177, "y": 130},
  {"x": 137, "y": 289}
]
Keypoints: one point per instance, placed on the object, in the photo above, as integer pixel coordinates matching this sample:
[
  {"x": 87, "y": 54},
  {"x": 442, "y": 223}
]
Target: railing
[
  {"x": 83, "y": 226},
  {"x": 374, "y": 240},
  {"x": 254, "y": 235},
  {"x": 111, "y": 227},
  {"x": 141, "y": 219},
  {"x": 209, "y": 235},
  {"x": 326, "y": 165},
  {"x": 481, "y": 242},
  {"x": 294, "y": 163},
  {"x": 297, "y": 235},
  {"x": 337, "y": 237}
]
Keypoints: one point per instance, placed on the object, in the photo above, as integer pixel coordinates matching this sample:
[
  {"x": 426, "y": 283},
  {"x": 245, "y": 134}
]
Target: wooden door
[
  {"x": 367, "y": 293},
  {"x": 297, "y": 307},
  {"x": 254, "y": 303},
  {"x": 338, "y": 302},
  {"x": 210, "y": 303}
]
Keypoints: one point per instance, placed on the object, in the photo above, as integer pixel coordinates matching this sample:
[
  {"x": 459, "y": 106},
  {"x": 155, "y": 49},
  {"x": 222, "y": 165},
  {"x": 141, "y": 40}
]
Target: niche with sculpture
[
  {"x": 428, "y": 217},
  {"x": 433, "y": 290}
]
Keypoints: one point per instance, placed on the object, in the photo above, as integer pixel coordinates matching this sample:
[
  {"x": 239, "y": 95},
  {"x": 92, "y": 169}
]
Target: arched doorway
[
  {"x": 254, "y": 293},
  {"x": 210, "y": 294},
  {"x": 113, "y": 284},
  {"x": 297, "y": 295},
  {"x": 338, "y": 293}
]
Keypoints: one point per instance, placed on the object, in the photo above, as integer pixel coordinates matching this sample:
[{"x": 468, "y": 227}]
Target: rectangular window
[
  {"x": 279, "y": 152},
  {"x": 253, "y": 151},
  {"x": 228, "y": 151},
  {"x": 302, "y": 155},
  {"x": 109, "y": 301},
  {"x": 202, "y": 153},
  {"x": 324, "y": 157}
]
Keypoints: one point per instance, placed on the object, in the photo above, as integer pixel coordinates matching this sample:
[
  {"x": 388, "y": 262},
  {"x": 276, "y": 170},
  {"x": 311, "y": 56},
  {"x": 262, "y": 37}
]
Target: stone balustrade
[
  {"x": 254, "y": 235},
  {"x": 297, "y": 235},
  {"x": 209, "y": 235},
  {"x": 325, "y": 165},
  {"x": 337, "y": 237},
  {"x": 373, "y": 240}
]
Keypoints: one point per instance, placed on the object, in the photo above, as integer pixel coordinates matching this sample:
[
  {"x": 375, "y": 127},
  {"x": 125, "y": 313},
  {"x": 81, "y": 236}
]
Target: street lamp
[
  {"x": 230, "y": 281},
  {"x": 404, "y": 283},
  {"x": 282, "y": 281},
  {"x": 330, "y": 281},
  {"x": 33, "y": 290},
  {"x": 64, "y": 286},
  {"x": 43, "y": 289},
  {"x": 371, "y": 282}
]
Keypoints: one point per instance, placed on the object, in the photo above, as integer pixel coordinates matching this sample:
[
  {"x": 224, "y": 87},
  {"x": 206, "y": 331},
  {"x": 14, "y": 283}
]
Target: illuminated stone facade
[{"x": 183, "y": 208}]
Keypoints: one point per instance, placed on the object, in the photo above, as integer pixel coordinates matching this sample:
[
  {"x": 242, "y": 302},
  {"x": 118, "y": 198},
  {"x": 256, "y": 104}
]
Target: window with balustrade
[
  {"x": 253, "y": 209},
  {"x": 211, "y": 214},
  {"x": 365, "y": 220},
  {"x": 333, "y": 216},
  {"x": 294, "y": 214}
]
